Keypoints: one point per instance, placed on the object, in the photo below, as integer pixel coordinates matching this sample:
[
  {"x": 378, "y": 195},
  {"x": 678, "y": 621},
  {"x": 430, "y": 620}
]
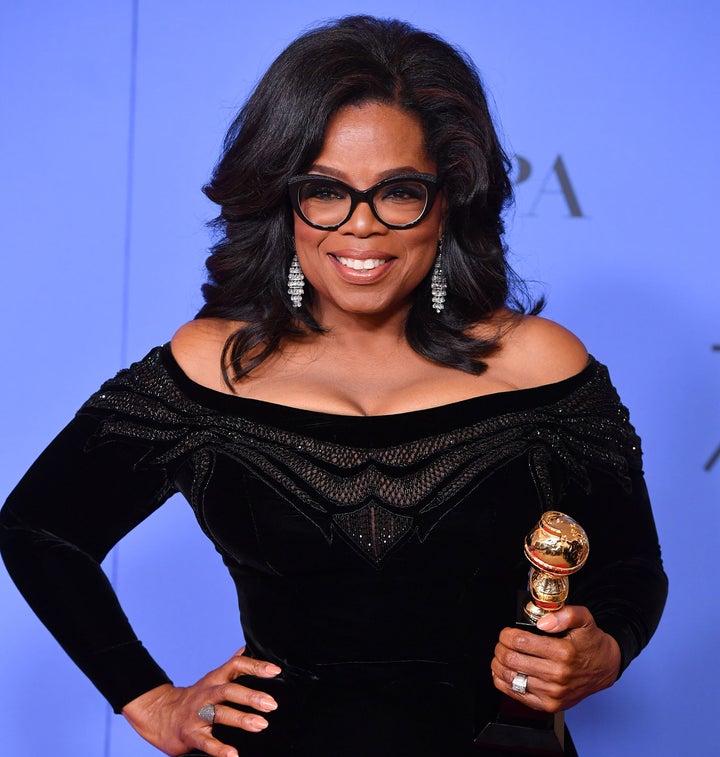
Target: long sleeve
[
  {"x": 587, "y": 462},
  {"x": 76, "y": 501},
  {"x": 623, "y": 584}
]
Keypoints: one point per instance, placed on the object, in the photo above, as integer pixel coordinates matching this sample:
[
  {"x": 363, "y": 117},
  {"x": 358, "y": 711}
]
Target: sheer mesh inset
[{"x": 376, "y": 496}]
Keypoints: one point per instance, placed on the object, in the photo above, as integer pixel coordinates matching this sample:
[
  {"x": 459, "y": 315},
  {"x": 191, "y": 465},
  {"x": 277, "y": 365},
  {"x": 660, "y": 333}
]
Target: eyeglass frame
[{"x": 358, "y": 196}]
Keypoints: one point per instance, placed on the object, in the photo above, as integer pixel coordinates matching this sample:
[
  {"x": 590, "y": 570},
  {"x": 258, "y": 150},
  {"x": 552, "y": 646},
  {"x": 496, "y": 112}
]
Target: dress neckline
[{"x": 483, "y": 405}]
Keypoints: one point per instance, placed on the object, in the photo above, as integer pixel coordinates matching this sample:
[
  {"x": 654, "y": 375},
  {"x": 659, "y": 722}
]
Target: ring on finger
[
  {"x": 519, "y": 683},
  {"x": 207, "y": 713}
]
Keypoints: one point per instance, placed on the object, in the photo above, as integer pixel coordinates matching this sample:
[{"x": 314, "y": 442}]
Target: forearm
[
  {"x": 623, "y": 584},
  {"x": 56, "y": 528},
  {"x": 71, "y": 595}
]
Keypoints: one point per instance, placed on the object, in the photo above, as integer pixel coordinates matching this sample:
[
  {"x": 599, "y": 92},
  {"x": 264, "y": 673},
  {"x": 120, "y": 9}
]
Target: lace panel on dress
[{"x": 375, "y": 496}]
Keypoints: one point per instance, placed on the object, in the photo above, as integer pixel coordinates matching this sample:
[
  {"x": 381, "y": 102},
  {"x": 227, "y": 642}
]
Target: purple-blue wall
[{"x": 112, "y": 117}]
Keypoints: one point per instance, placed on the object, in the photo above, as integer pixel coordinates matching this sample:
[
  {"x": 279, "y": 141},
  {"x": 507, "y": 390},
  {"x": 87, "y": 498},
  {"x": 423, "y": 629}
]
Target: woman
[{"x": 366, "y": 426}]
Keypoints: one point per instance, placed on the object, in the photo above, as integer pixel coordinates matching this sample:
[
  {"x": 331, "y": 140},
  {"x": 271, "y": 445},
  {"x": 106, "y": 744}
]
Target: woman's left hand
[{"x": 560, "y": 670}]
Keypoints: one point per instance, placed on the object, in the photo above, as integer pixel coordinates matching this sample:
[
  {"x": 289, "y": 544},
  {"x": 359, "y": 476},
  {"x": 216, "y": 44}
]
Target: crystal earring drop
[
  {"x": 438, "y": 283},
  {"x": 296, "y": 282}
]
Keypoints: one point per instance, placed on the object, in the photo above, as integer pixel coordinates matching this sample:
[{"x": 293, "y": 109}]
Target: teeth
[{"x": 361, "y": 265}]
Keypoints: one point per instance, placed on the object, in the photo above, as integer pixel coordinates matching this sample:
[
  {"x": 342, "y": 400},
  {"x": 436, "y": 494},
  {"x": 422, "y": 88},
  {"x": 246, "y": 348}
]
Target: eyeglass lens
[{"x": 328, "y": 203}]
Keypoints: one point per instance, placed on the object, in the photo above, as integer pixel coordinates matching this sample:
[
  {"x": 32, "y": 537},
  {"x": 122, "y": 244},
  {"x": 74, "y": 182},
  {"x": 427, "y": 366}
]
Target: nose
[{"x": 362, "y": 222}]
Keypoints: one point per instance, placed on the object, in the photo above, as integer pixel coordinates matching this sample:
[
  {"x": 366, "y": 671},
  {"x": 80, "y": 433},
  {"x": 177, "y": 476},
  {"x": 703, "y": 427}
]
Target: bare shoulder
[
  {"x": 197, "y": 347},
  {"x": 536, "y": 351}
]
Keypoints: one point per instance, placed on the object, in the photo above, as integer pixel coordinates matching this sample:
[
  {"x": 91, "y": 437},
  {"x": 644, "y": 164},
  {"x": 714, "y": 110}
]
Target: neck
[{"x": 365, "y": 331}]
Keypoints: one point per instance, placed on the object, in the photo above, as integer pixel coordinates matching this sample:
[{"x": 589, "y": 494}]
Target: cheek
[
  {"x": 302, "y": 232},
  {"x": 427, "y": 235},
  {"x": 423, "y": 248},
  {"x": 307, "y": 241},
  {"x": 421, "y": 254}
]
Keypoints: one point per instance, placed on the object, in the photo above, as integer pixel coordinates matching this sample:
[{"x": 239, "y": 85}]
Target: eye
[
  {"x": 405, "y": 191},
  {"x": 322, "y": 191}
]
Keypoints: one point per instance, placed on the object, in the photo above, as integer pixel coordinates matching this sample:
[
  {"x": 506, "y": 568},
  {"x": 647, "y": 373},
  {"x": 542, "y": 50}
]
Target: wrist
[
  {"x": 614, "y": 657},
  {"x": 139, "y": 709}
]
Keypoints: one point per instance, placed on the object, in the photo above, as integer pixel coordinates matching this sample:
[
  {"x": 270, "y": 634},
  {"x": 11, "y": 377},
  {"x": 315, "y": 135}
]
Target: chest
[
  {"x": 297, "y": 507},
  {"x": 352, "y": 383}
]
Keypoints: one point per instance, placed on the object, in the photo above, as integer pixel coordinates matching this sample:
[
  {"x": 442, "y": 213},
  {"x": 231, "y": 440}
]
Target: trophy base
[
  {"x": 504, "y": 738},
  {"x": 520, "y": 730}
]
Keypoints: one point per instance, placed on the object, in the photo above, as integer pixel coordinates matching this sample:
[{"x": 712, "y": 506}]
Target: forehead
[{"x": 364, "y": 143}]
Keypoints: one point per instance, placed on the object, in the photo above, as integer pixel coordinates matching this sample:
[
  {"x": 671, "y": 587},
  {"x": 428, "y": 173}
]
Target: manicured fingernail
[
  {"x": 268, "y": 704},
  {"x": 272, "y": 670},
  {"x": 260, "y": 722},
  {"x": 547, "y": 623}
]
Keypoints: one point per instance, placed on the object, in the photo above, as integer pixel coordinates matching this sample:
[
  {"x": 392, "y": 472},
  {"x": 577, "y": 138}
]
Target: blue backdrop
[{"x": 113, "y": 114}]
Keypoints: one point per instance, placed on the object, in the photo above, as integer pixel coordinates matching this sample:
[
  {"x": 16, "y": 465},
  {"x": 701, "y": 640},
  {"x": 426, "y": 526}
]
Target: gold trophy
[{"x": 556, "y": 547}]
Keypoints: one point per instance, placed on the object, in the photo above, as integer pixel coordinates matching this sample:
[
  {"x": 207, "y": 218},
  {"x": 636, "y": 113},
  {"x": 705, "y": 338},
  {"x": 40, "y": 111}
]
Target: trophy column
[{"x": 556, "y": 547}]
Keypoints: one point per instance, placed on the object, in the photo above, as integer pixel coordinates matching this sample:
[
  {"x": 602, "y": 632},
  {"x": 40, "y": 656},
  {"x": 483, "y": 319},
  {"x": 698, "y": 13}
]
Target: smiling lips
[
  {"x": 360, "y": 265},
  {"x": 361, "y": 270}
]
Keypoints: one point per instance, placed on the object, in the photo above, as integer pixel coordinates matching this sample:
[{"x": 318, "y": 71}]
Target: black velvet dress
[{"x": 375, "y": 558}]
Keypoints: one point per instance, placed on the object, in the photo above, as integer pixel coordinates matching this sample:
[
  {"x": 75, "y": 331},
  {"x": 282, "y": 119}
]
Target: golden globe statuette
[{"x": 556, "y": 547}]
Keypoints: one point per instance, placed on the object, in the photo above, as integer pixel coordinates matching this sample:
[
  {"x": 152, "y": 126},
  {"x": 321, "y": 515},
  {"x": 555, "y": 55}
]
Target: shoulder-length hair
[{"x": 279, "y": 132}]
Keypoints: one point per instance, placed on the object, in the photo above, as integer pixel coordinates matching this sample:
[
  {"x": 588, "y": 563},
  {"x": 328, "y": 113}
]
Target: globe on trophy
[{"x": 556, "y": 548}]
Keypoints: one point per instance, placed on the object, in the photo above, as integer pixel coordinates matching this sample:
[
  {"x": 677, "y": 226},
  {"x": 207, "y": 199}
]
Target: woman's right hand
[{"x": 167, "y": 716}]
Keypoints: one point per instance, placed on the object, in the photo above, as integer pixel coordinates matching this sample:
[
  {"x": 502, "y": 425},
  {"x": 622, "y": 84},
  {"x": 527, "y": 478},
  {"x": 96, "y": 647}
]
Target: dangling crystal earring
[
  {"x": 296, "y": 282},
  {"x": 438, "y": 283}
]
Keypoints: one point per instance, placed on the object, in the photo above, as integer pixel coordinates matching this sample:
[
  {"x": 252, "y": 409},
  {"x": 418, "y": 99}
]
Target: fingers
[
  {"x": 211, "y": 746},
  {"x": 239, "y": 665},
  {"x": 570, "y": 616},
  {"x": 247, "y": 721},
  {"x": 539, "y": 693},
  {"x": 548, "y": 662},
  {"x": 169, "y": 716},
  {"x": 219, "y": 690},
  {"x": 560, "y": 671},
  {"x": 259, "y": 668},
  {"x": 243, "y": 696},
  {"x": 536, "y": 695},
  {"x": 220, "y": 687},
  {"x": 198, "y": 733},
  {"x": 540, "y": 655}
]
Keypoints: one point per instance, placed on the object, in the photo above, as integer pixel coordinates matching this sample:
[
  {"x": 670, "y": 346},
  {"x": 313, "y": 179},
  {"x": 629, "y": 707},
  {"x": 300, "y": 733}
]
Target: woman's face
[{"x": 364, "y": 145}]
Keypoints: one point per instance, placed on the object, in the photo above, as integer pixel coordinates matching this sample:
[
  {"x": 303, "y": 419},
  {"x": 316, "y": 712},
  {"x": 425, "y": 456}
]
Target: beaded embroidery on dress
[{"x": 374, "y": 497}]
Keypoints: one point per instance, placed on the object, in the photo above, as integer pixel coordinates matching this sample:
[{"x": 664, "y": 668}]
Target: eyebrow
[{"x": 334, "y": 173}]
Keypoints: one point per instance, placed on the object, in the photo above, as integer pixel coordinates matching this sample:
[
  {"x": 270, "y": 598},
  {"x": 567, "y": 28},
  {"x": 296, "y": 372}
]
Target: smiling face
[{"x": 363, "y": 267}]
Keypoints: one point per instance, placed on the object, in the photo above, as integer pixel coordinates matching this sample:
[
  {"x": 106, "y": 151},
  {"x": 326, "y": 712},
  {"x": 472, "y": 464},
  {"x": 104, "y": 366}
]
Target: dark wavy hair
[{"x": 279, "y": 132}]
